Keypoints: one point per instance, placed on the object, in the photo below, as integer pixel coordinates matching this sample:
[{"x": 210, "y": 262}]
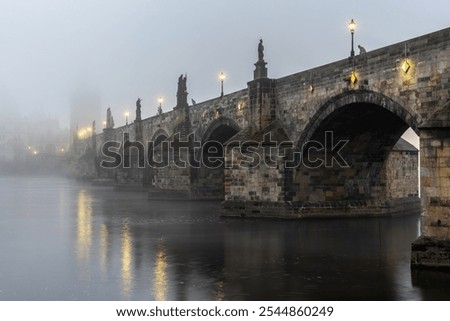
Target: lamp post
[
  {"x": 127, "y": 113},
  {"x": 222, "y": 78},
  {"x": 160, "y": 101},
  {"x": 352, "y": 27}
]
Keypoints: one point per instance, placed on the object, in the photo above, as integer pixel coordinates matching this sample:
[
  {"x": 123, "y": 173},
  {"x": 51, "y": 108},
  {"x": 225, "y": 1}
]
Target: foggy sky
[{"x": 124, "y": 49}]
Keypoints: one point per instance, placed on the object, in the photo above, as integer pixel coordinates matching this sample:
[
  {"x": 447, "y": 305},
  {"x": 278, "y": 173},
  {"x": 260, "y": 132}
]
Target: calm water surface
[{"x": 64, "y": 240}]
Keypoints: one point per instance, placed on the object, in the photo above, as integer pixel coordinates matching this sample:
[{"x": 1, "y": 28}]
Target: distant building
[
  {"x": 47, "y": 137},
  {"x": 22, "y": 141},
  {"x": 14, "y": 137}
]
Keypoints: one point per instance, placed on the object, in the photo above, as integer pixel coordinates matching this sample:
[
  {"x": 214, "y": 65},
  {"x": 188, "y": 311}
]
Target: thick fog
[{"x": 57, "y": 52}]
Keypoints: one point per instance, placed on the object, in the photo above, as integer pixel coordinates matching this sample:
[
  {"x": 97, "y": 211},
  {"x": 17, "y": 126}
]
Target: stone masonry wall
[
  {"x": 231, "y": 106},
  {"x": 435, "y": 176},
  {"x": 253, "y": 183},
  {"x": 402, "y": 176}
]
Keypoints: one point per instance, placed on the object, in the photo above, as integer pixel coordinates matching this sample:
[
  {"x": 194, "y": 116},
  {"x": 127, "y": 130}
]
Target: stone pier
[{"x": 432, "y": 249}]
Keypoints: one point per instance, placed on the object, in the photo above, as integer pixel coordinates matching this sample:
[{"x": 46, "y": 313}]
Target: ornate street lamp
[
  {"x": 160, "y": 101},
  {"x": 222, "y": 78},
  {"x": 127, "y": 113},
  {"x": 352, "y": 28}
]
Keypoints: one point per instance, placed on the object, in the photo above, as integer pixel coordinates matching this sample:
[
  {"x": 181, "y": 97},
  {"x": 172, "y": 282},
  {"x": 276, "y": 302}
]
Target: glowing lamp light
[
  {"x": 406, "y": 66},
  {"x": 84, "y": 133},
  {"x": 160, "y": 101},
  {"x": 353, "y": 78},
  {"x": 222, "y": 78},
  {"x": 352, "y": 26}
]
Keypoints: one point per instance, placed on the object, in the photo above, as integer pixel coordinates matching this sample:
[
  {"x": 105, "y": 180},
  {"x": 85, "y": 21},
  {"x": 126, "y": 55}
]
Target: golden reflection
[
  {"x": 220, "y": 295},
  {"x": 104, "y": 249},
  {"x": 160, "y": 276},
  {"x": 127, "y": 261},
  {"x": 84, "y": 226},
  {"x": 353, "y": 78},
  {"x": 406, "y": 66}
]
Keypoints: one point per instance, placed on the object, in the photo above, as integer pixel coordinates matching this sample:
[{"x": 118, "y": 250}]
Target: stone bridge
[{"x": 321, "y": 142}]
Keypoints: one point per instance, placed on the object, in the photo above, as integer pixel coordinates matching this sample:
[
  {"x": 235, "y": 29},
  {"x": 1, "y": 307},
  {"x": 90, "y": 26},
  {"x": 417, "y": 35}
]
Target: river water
[{"x": 65, "y": 240}]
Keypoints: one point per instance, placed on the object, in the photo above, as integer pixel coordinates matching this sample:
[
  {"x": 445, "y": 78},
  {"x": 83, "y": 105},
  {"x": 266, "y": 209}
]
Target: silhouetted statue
[
  {"x": 109, "y": 119},
  {"x": 193, "y": 102},
  {"x": 182, "y": 92},
  {"x": 182, "y": 84},
  {"x": 260, "y": 70},
  {"x": 362, "y": 50},
  {"x": 138, "y": 109},
  {"x": 260, "y": 50}
]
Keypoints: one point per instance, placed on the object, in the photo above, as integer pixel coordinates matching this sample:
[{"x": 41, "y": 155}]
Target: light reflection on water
[
  {"x": 84, "y": 228},
  {"x": 104, "y": 244},
  {"x": 160, "y": 278},
  {"x": 63, "y": 240},
  {"x": 127, "y": 262}
]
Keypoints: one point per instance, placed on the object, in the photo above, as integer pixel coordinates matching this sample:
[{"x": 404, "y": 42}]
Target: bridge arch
[
  {"x": 370, "y": 124},
  {"x": 220, "y": 129},
  {"x": 208, "y": 182},
  {"x": 357, "y": 97},
  {"x": 158, "y": 136}
]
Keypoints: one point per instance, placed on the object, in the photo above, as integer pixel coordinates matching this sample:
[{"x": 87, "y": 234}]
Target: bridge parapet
[
  {"x": 423, "y": 88},
  {"x": 231, "y": 106}
]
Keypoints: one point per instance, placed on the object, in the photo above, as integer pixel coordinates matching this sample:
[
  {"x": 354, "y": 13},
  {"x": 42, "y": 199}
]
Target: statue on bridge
[
  {"x": 362, "y": 50},
  {"x": 260, "y": 50},
  {"x": 260, "y": 70},
  {"x": 182, "y": 84},
  {"x": 138, "y": 109},
  {"x": 109, "y": 119},
  {"x": 182, "y": 92}
]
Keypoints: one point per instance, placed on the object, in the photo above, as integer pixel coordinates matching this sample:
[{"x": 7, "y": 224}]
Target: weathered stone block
[{"x": 430, "y": 252}]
